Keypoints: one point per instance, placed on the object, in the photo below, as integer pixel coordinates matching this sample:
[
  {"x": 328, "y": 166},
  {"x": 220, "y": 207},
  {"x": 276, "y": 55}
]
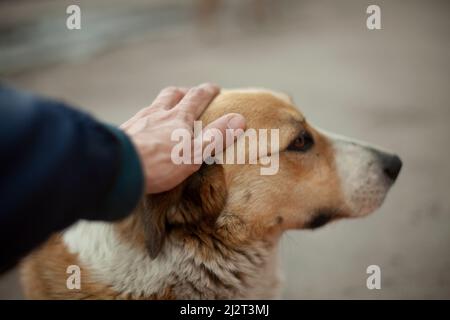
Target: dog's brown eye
[{"x": 303, "y": 142}]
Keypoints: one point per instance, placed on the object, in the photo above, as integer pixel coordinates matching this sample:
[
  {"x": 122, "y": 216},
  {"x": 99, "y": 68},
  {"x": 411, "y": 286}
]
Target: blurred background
[{"x": 389, "y": 87}]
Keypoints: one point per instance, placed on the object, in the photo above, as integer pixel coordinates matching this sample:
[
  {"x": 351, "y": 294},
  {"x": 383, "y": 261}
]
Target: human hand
[{"x": 151, "y": 129}]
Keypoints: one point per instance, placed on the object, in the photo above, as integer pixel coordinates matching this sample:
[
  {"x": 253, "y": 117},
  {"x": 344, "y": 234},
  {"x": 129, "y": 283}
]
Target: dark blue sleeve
[{"x": 58, "y": 165}]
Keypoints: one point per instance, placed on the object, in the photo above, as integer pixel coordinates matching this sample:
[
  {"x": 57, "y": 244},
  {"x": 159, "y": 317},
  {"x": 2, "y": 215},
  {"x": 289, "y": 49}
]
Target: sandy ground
[{"x": 389, "y": 87}]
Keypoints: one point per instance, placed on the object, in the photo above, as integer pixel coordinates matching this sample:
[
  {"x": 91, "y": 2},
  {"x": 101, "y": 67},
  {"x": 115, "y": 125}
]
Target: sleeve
[{"x": 58, "y": 165}]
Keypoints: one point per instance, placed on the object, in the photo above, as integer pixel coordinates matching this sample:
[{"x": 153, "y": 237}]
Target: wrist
[{"x": 128, "y": 186}]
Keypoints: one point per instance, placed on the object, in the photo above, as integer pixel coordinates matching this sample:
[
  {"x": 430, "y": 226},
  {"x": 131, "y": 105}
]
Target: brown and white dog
[{"x": 216, "y": 235}]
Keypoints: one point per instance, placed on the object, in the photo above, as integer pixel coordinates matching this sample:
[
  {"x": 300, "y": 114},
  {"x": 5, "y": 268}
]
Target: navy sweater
[{"x": 58, "y": 165}]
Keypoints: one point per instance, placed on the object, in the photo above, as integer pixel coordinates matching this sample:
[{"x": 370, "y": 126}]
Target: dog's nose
[{"x": 391, "y": 165}]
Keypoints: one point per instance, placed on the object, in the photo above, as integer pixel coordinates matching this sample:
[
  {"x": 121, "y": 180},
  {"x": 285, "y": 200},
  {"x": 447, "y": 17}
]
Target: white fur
[
  {"x": 362, "y": 179},
  {"x": 129, "y": 270}
]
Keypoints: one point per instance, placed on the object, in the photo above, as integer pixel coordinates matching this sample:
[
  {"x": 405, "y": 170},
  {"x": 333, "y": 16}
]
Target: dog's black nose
[{"x": 391, "y": 165}]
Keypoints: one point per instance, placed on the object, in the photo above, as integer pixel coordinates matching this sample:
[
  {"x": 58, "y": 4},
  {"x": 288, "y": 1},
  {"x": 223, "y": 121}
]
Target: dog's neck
[{"x": 187, "y": 267}]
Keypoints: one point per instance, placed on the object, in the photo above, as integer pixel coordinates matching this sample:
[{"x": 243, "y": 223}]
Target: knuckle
[{"x": 199, "y": 92}]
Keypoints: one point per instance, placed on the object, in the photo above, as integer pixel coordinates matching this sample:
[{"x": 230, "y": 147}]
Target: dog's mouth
[{"x": 322, "y": 217}]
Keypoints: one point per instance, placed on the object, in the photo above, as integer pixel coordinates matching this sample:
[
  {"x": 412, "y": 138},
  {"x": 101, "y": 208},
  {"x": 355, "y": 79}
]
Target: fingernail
[{"x": 236, "y": 122}]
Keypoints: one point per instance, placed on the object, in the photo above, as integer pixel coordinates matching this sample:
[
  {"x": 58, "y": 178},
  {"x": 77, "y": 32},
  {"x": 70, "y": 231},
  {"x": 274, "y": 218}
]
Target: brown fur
[{"x": 218, "y": 213}]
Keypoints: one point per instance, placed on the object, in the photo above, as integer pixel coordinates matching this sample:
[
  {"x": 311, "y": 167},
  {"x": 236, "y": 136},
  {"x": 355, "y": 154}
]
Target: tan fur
[
  {"x": 45, "y": 275},
  {"x": 224, "y": 222}
]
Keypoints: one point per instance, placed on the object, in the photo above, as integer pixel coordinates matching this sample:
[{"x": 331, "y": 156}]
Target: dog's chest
[{"x": 174, "y": 274}]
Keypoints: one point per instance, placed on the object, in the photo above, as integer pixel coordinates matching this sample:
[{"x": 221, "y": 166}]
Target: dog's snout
[{"x": 391, "y": 165}]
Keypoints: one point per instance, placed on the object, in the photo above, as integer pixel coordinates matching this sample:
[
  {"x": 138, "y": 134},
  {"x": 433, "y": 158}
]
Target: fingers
[
  {"x": 166, "y": 99},
  {"x": 210, "y": 133},
  {"x": 169, "y": 97},
  {"x": 196, "y": 100}
]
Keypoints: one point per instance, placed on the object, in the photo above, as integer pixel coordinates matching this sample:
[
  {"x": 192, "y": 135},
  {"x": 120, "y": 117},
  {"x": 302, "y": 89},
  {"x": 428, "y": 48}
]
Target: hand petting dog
[{"x": 151, "y": 129}]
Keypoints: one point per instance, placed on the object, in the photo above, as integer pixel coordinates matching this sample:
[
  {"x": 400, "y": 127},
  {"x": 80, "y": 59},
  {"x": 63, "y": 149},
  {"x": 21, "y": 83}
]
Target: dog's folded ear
[{"x": 197, "y": 202}]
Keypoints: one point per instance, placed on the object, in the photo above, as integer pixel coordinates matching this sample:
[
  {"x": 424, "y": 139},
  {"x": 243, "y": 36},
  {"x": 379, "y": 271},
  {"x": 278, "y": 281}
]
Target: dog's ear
[
  {"x": 197, "y": 201},
  {"x": 153, "y": 218}
]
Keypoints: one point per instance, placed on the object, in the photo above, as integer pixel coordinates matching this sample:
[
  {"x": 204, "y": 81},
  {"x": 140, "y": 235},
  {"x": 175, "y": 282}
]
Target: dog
[{"x": 216, "y": 235}]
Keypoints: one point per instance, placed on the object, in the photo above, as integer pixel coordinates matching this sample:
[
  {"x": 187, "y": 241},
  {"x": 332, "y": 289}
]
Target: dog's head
[{"x": 321, "y": 177}]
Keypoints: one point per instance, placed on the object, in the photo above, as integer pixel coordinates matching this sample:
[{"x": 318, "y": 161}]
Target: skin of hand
[{"x": 151, "y": 129}]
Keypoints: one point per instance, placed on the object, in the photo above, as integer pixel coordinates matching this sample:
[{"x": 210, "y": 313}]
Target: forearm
[{"x": 58, "y": 165}]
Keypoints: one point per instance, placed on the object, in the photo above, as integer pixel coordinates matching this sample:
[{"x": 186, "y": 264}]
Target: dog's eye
[{"x": 303, "y": 142}]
